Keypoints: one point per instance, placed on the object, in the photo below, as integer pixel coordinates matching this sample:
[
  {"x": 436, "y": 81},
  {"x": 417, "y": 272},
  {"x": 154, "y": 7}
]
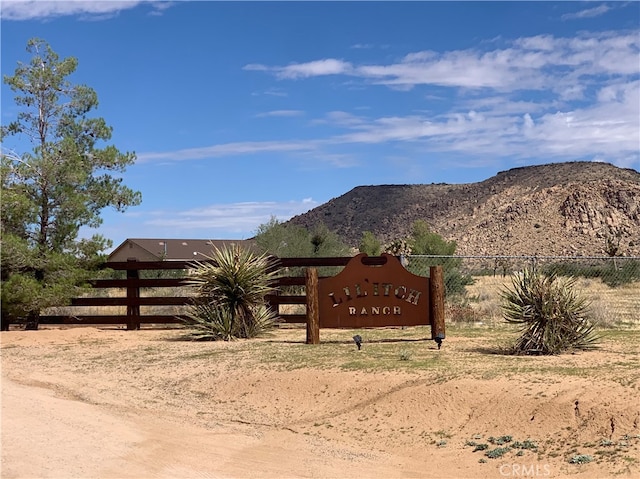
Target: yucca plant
[
  {"x": 230, "y": 294},
  {"x": 554, "y": 317}
]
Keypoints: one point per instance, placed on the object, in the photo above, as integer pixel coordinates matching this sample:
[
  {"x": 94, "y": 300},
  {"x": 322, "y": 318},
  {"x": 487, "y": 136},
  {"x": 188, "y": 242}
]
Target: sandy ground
[{"x": 105, "y": 403}]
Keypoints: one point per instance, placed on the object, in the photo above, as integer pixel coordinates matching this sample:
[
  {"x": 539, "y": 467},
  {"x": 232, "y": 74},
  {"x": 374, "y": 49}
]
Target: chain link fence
[{"x": 474, "y": 284}]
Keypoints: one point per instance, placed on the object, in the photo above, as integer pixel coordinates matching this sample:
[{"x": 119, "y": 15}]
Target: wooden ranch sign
[{"x": 366, "y": 296}]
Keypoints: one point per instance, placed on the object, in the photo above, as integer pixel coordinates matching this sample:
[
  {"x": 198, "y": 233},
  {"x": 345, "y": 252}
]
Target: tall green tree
[
  {"x": 62, "y": 184},
  {"x": 424, "y": 242},
  {"x": 283, "y": 240},
  {"x": 287, "y": 240},
  {"x": 369, "y": 244},
  {"x": 293, "y": 241}
]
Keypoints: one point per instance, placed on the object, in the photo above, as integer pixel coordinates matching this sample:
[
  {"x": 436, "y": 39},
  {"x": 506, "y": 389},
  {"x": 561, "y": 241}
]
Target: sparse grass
[
  {"x": 383, "y": 347},
  {"x": 469, "y": 353},
  {"x": 480, "y": 358},
  {"x": 405, "y": 355},
  {"x": 611, "y": 307}
]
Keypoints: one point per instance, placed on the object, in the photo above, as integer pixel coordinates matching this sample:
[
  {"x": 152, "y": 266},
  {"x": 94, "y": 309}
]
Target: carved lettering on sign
[{"x": 371, "y": 296}]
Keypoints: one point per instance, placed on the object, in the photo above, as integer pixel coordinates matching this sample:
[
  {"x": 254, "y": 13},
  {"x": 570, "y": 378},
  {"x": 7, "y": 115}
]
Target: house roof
[{"x": 157, "y": 249}]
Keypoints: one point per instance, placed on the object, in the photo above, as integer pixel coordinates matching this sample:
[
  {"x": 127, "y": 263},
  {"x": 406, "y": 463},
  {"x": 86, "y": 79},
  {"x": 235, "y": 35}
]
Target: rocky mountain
[{"x": 553, "y": 209}]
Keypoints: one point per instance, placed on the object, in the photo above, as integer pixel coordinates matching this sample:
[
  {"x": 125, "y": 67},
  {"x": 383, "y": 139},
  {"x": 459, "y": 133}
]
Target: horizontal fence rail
[
  {"x": 473, "y": 285},
  {"x": 289, "y": 286}
]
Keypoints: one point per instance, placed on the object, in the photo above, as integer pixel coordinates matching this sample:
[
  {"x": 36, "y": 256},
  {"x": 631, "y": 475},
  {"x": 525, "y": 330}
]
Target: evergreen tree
[
  {"x": 61, "y": 185},
  {"x": 291, "y": 241},
  {"x": 425, "y": 242},
  {"x": 369, "y": 244}
]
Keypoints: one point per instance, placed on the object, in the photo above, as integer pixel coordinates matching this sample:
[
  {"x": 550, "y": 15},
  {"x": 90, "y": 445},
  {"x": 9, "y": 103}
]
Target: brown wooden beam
[
  {"x": 313, "y": 307},
  {"x": 437, "y": 303}
]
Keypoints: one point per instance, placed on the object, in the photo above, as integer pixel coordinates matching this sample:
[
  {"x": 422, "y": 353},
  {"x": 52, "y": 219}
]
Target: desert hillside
[{"x": 554, "y": 209}]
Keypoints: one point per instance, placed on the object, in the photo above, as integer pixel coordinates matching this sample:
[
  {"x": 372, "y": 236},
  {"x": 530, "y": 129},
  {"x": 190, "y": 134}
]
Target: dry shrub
[{"x": 460, "y": 313}]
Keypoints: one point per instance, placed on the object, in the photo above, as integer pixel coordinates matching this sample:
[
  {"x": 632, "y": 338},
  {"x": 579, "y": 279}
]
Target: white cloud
[
  {"x": 495, "y": 126},
  {"x": 327, "y": 66},
  {"x": 242, "y": 217},
  {"x": 275, "y": 92},
  {"x": 340, "y": 118},
  {"x": 256, "y": 67},
  {"x": 228, "y": 149},
  {"x": 362, "y": 46},
  {"x": 539, "y": 97},
  {"x": 500, "y": 105},
  {"x": 538, "y": 42},
  {"x": 500, "y": 69},
  {"x": 280, "y": 113},
  {"x": 316, "y": 159},
  {"x": 37, "y": 9},
  {"x": 271, "y": 92},
  {"x": 532, "y": 63},
  {"x": 587, "y": 13},
  {"x": 608, "y": 128}
]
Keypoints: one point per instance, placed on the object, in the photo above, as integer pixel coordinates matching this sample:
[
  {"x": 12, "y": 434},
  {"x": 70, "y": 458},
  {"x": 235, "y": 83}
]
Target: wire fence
[{"x": 474, "y": 284}]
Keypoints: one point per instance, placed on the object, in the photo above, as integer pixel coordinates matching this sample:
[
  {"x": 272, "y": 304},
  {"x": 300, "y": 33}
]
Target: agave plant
[
  {"x": 553, "y": 316},
  {"x": 230, "y": 294}
]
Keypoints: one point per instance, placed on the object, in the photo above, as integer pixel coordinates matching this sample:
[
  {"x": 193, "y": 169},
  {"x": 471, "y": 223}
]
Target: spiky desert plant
[
  {"x": 554, "y": 317},
  {"x": 230, "y": 294}
]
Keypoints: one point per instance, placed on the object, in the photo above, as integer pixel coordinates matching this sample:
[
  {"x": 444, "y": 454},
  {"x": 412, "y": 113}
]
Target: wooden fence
[{"x": 133, "y": 300}]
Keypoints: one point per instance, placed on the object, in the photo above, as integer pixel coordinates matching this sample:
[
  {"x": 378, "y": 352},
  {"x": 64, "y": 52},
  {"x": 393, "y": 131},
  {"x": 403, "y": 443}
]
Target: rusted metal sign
[{"x": 373, "y": 296}]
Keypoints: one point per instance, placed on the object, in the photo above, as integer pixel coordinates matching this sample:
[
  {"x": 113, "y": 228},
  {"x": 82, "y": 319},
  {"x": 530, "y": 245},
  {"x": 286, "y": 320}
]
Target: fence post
[
  {"x": 437, "y": 303},
  {"x": 133, "y": 293},
  {"x": 313, "y": 307}
]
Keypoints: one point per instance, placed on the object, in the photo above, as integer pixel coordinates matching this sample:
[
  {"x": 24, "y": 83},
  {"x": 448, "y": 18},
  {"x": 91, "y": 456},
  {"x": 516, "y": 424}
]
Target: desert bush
[
  {"x": 553, "y": 316},
  {"x": 285, "y": 240},
  {"x": 230, "y": 292},
  {"x": 428, "y": 248},
  {"x": 602, "y": 315},
  {"x": 369, "y": 244},
  {"x": 460, "y": 312}
]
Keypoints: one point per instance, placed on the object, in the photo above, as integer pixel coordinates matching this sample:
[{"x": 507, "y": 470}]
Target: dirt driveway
[{"x": 99, "y": 403}]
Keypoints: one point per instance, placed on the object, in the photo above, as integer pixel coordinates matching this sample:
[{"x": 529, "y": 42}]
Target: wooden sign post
[{"x": 363, "y": 296}]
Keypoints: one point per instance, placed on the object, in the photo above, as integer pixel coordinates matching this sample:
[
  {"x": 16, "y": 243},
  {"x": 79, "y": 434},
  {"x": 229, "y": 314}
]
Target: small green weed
[
  {"x": 405, "y": 355},
  {"x": 581, "y": 459},
  {"x": 526, "y": 444},
  {"x": 497, "y": 452},
  {"x": 500, "y": 440}
]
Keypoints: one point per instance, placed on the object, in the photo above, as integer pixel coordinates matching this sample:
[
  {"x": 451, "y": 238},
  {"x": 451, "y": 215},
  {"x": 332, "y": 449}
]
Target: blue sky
[{"x": 238, "y": 111}]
